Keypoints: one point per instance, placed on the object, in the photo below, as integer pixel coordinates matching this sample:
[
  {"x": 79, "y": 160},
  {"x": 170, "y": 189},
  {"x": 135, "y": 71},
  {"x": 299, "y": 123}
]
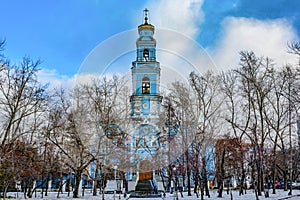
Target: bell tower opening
[
  {"x": 145, "y": 85},
  {"x": 146, "y": 54}
]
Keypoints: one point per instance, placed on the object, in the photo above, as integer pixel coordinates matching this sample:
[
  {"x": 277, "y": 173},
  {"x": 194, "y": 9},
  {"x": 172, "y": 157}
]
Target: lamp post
[
  {"x": 175, "y": 181},
  {"x": 115, "y": 176}
]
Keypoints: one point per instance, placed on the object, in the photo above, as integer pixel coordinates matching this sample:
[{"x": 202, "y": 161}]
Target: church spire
[
  {"x": 146, "y": 24},
  {"x": 146, "y": 15}
]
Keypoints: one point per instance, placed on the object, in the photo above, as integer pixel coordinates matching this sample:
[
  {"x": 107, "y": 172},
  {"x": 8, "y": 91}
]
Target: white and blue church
[
  {"x": 146, "y": 103},
  {"x": 145, "y": 99}
]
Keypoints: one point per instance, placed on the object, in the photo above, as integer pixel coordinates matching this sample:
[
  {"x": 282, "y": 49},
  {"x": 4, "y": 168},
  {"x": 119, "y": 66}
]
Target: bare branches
[
  {"x": 21, "y": 97},
  {"x": 294, "y": 48}
]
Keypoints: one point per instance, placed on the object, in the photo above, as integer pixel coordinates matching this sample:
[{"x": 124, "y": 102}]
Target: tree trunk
[
  {"x": 259, "y": 189},
  {"x": 242, "y": 182},
  {"x": 274, "y": 179},
  {"x": 103, "y": 186},
  {"x": 5, "y": 191},
  {"x": 196, "y": 185},
  {"x": 205, "y": 178},
  {"x": 285, "y": 177},
  {"x": 47, "y": 183},
  {"x": 189, "y": 181},
  {"x": 29, "y": 194},
  {"x": 274, "y": 173},
  {"x": 69, "y": 184},
  {"x": 43, "y": 180},
  {"x": 163, "y": 180},
  {"x": 24, "y": 188},
  {"x": 254, "y": 182},
  {"x": 188, "y": 174},
  {"x": 60, "y": 188},
  {"x": 103, "y": 195},
  {"x": 170, "y": 178},
  {"x": 220, "y": 188},
  {"x": 95, "y": 181},
  {"x": 262, "y": 180},
  {"x": 220, "y": 178},
  {"x": 259, "y": 174},
  {"x": 77, "y": 183},
  {"x": 202, "y": 190},
  {"x": 243, "y": 173}
]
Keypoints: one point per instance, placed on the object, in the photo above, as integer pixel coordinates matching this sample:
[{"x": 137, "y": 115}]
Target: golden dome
[{"x": 146, "y": 26}]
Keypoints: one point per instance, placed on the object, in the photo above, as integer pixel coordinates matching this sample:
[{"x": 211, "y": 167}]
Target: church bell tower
[{"x": 145, "y": 99}]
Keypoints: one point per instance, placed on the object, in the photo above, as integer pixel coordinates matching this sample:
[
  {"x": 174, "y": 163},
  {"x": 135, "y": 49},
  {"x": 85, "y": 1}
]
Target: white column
[
  {"x": 49, "y": 185},
  {"x": 34, "y": 184},
  {"x": 64, "y": 185}
]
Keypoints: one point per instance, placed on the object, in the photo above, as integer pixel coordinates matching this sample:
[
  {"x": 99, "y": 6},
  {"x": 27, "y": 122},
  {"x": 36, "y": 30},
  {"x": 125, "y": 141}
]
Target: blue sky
[{"x": 63, "y": 32}]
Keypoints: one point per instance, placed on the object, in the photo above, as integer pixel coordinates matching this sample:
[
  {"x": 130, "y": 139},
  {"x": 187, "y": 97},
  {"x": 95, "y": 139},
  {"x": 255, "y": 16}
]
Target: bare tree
[
  {"x": 69, "y": 129},
  {"x": 256, "y": 85},
  {"x": 208, "y": 103},
  {"x": 109, "y": 111},
  {"x": 181, "y": 118},
  {"x": 275, "y": 115},
  {"x": 237, "y": 114},
  {"x": 22, "y": 104},
  {"x": 21, "y": 162},
  {"x": 22, "y": 99}
]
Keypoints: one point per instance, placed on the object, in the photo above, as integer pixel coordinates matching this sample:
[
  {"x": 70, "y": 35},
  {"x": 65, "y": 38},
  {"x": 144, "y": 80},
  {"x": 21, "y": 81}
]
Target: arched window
[{"x": 145, "y": 85}]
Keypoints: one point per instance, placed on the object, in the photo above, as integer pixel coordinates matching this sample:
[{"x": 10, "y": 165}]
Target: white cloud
[
  {"x": 266, "y": 38},
  {"x": 177, "y": 23},
  {"x": 51, "y": 77},
  {"x": 180, "y": 55},
  {"x": 183, "y": 16},
  {"x": 56, "y": 81}
]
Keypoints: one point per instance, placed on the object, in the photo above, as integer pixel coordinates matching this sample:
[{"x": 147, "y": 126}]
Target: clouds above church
[
  {"x": 183, "y": 16},
  {"x": 266, "y": 37}
]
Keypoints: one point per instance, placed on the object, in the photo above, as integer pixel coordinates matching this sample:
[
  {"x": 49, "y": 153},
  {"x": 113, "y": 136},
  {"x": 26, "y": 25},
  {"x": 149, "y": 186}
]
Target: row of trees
[
  {"x": 250, "y": 113},
  {"x": 46, "y": 134},
  {"x": 50, "y": 134}
]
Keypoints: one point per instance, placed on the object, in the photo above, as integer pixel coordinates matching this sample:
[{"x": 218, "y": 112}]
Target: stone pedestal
[
  {"x": 146, "y": 183},
  {"x": 146, "y": 186}
]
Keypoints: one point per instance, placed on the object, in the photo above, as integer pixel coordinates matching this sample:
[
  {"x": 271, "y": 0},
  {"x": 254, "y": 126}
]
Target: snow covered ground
[{"x": 281, "y": 195}]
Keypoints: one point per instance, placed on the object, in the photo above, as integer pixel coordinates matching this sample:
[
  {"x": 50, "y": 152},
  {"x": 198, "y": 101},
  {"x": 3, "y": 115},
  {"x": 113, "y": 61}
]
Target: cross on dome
[{"x": 146, "y": 15}]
